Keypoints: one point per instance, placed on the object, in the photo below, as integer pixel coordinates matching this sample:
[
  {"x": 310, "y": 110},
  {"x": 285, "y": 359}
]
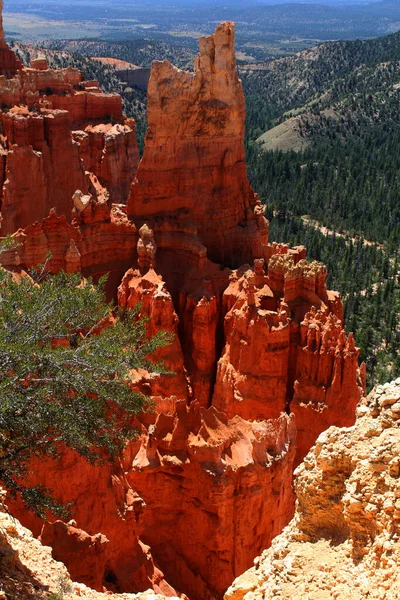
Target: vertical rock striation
[
  {"x": 112, "y": 154},
  {"x": 27, "y": 569},
  {"x": 43, "y": 160},
  {"x": 101, "y": 546},
  {"x": 193, "y": 163},
  {"x": 215, "y": 489},
  {"x": 42, "y": 167}
]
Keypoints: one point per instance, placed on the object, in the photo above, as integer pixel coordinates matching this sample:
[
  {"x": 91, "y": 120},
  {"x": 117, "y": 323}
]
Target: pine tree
[{"x": 65, "y": 362}]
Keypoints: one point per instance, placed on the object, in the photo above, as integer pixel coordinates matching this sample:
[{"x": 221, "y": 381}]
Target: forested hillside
[
  {"x": 272, "y": 88},
  {"x": 340, "y": 194},
  {"x": 139, "y": 52}
]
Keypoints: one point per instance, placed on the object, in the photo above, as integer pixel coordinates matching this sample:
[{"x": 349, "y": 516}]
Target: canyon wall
[{"x": 259, "y": 363}]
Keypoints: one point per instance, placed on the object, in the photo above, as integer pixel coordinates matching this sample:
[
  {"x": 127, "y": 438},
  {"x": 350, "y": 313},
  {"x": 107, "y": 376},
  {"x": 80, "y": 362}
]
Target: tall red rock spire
[{"x": 193, "y": 163}]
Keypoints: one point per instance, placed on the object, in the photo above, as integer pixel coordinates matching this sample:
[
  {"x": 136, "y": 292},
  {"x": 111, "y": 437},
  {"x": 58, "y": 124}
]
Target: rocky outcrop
[
  {"x": 276, "y": 358},
  {"x": 211, "y": 486},
  {"x": 156, "y": 306},
  {"x": 62, "y": 89},
  {"x": 9, "y": 63},
  {"x": 28, "y": 571},
  {"x": 327, "y": 380},
  {"x": 42, "y": 162},
  {"x": 344, "y": 539},
  {"x": 86, "y": 555},
  {"x": 130, "y": 74},
  {"x": 102, "y": 546},
  {"x": 99, "y": 241},
  {"x": 42, "y": 167},
  {"x": 252, "y": 375}
]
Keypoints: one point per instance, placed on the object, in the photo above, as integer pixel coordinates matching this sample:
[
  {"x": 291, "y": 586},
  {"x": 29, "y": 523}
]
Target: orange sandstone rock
[
  {"x": 200, "y": 315},
  {"x": 85, "y": 555},
  {"x": 102, "y": 547},
  {"x": 156, "y": 305},
  {"x": 328, "y": 383},
  {"x": 39, "y": 63},
  {"x": 43, "y": 167},
  {"x": 252, "y": 376},
  {"x": 193, "y": 163},
  {"x": 62, "y": 89},
  {"x": 211, "y": 486},
  {"x": 28, "y": 571},
  {"x": 99, "y": 241},
  {"x": 42, "y": 164},
  {"x": 111, "y": 153},
  {"x": 286, "y": 350}
]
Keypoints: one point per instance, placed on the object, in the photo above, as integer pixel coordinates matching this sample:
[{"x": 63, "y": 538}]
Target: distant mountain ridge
[
  {"x": 275, "y": 27},
  {"x": 288, "y": 83}
]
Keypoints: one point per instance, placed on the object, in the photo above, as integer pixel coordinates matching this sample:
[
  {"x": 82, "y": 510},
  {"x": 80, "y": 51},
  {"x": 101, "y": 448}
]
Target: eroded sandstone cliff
[
  {"x": 259, "y": 360},
  {"x": 344, "y": 539},
  {"x": 45, "y": 156}
]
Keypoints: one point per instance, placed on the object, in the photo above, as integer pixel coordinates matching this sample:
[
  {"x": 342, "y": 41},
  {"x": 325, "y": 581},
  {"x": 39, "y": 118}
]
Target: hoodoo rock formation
[
  {"x": 258, "y": 358},
  {"x": 45, "y": 155},
  {"x": 193, "y": 167}
]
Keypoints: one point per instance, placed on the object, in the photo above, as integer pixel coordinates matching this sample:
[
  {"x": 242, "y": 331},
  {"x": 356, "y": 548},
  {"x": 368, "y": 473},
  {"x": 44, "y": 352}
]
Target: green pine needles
[{"x": 65, "y": 360}]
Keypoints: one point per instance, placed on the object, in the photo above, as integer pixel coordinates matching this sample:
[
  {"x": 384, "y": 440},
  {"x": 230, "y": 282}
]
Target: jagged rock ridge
[{"x": 260, "y": 358}]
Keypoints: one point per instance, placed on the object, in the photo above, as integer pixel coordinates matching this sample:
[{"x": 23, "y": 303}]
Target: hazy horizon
[
  {"x": 8, "y": 5},
  {"x": 269, "y": 28}
]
